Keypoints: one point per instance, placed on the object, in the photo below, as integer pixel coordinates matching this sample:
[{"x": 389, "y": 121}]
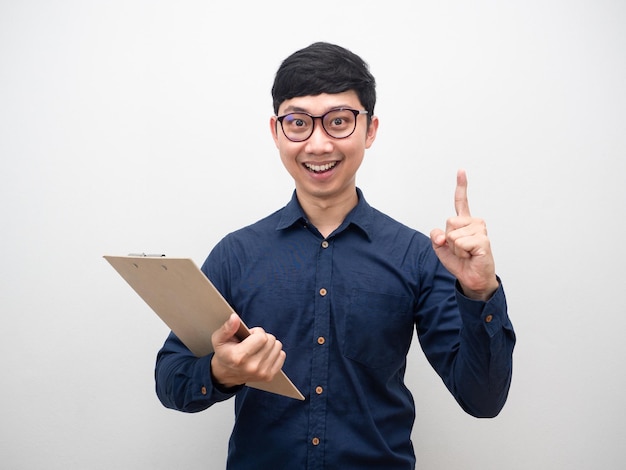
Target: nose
[{"x": 319, "y": 142}]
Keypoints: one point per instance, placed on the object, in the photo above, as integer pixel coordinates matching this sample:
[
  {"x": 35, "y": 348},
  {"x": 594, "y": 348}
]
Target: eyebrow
[{"x": 298, "y": 109}]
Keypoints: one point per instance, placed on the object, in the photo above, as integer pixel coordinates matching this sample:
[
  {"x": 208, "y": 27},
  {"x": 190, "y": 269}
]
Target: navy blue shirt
[{"x": 345, "y": 309}]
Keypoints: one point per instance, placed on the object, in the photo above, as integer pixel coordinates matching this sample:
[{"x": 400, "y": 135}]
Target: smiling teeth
[{"x": 320, "y": 168}]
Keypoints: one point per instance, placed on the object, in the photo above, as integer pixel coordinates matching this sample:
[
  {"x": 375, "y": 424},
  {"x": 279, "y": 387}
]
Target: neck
[{"x": 327, "y": 214}]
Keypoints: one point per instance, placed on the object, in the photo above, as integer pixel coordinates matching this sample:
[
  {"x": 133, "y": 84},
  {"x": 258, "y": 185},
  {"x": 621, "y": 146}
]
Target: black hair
[{"x": 324, "y": 68}]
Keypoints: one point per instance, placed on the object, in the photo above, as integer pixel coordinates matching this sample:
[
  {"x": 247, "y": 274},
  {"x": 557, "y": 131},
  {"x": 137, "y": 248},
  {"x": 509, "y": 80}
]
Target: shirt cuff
[
  {"x": 202, "y": 386},
  {"x": 491, "y": 313}
]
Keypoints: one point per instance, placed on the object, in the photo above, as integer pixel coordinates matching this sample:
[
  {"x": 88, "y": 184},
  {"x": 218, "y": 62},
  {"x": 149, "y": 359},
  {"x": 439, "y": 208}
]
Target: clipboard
[{"x": 189, "y": 304}]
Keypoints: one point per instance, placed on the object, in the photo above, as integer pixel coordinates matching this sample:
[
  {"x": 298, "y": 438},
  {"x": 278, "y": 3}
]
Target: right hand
[{"x": 258, "y": 358}]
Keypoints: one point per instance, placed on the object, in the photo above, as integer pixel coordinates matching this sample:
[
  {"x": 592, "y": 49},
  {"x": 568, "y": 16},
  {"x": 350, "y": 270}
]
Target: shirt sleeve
[
  {"x": 183, "y": 381},
  {"x": 483, "y": 367},
  {"x": 469, "y": 343}
]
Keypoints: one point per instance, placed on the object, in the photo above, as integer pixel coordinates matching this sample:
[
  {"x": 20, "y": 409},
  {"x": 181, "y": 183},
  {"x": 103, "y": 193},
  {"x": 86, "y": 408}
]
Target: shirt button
[
  {"x": 321, "y": 340},
  {"x": 203, "y": 390},
  {"x": 324, "y": 244},
  {"x": 315, "y": 441},
  {"x": 319, "y": 390},
  {"x": 488, "y": 318},
  {"x": 323, "y": 292}
]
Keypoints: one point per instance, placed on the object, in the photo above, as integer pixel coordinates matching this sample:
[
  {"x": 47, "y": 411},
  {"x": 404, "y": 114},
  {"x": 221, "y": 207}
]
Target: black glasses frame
[{"x": 321, "y": 117}]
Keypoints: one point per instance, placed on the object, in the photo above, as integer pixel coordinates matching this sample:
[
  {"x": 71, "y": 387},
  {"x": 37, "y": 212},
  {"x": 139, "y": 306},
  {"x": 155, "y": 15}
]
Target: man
[{"x": 334, "y": 289}]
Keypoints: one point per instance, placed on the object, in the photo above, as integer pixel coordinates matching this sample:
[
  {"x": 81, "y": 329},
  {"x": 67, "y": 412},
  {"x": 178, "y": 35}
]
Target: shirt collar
[{"x": 361, "y": 216}]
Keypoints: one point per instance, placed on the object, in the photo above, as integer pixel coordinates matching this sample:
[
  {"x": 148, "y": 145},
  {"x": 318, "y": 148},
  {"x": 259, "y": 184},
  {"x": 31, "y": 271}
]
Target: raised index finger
[{"x": 461, "y": 205}]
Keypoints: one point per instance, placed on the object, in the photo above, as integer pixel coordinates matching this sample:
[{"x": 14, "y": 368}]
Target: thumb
[{"x": 228, "y": 330}]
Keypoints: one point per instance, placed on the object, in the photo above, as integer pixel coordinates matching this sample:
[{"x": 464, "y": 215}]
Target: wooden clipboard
[{"x": 189, "y": 304}]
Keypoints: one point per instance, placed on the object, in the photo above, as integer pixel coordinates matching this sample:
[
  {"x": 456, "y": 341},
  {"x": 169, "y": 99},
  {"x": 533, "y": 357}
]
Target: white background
[{"x": 142, "y": 126}]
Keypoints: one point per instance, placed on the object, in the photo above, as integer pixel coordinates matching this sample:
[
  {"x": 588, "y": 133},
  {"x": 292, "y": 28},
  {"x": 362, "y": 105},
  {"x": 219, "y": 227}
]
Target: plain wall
[{"x": 122, "y": 130}]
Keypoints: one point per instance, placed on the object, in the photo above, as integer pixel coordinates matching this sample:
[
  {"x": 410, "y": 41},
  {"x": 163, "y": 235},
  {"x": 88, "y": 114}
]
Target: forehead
[{"x": 319, "y": 104}]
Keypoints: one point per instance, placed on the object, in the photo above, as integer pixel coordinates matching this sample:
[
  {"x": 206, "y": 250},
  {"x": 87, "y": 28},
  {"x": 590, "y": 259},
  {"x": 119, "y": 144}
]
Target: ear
[
  {"x": 371, "y": 132},
  {"x": 274, "y": 129}
]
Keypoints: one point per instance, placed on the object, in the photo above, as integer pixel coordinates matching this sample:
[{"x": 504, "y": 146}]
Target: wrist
[
  {"x": 482, "y": 294},
  {"x": 220, "y": 379}
]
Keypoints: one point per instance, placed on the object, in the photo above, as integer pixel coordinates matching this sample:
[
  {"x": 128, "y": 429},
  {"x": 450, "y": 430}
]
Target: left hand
[{"x": 464, "y": 247}]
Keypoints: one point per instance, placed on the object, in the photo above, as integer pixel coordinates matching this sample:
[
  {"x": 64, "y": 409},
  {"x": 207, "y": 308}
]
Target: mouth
[{"x": 320, "y": 168}]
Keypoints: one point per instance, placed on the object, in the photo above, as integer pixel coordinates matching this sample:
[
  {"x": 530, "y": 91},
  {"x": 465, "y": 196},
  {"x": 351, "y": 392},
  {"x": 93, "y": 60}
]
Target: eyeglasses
[{"x": 338, "y": 123}]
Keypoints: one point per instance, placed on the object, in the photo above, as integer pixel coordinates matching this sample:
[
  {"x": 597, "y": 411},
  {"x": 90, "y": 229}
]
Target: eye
[
  {"x": 296, "y": 120},
  {"x": 339, "y": 119}
]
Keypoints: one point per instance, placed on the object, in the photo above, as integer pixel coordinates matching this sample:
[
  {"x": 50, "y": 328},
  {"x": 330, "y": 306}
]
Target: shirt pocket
[{"x": 378, "y": 328}]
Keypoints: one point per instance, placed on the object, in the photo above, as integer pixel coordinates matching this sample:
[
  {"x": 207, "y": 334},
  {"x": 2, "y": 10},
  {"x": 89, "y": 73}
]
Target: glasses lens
[
  {"x": 339, "y": 123},
  {"x": 297, "y": 126}
]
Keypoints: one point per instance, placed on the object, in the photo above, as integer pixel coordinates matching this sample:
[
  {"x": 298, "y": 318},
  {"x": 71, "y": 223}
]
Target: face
[{"x": 323, "y": 167}]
